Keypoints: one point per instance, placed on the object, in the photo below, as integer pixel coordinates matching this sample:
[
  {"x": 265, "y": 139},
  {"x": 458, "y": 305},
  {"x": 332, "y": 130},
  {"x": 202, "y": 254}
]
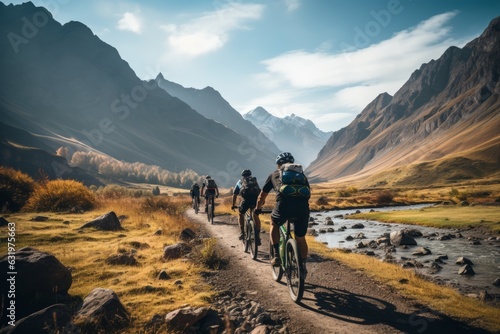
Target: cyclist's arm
[{"x": 261, "y": 200}]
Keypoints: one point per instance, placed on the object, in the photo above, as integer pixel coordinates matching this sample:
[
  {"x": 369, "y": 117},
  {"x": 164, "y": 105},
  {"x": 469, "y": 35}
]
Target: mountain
[
  {"x": 62, "y": 83},
  {"x": 210, "y": 103},
  {"x": 442, "y": 124},
  {"x": 291, "y": 133}
]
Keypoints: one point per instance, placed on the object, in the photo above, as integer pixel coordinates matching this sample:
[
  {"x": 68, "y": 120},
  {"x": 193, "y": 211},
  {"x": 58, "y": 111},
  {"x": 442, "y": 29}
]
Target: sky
[{"x": 323, "y": 60}]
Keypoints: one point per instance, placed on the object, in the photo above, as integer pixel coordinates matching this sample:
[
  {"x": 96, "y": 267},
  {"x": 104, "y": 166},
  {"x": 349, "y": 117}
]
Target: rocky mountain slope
[
  {"x": 291, "y": 133},
  {"x": 210, "y": 103},
  {"x": 63, "y": 83},
  {"x": 445, "y": 119}
]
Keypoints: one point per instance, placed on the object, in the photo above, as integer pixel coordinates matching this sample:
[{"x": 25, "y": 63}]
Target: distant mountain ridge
[
  {"x": 448, "y": 110},
  {"x": 291, "y": 133},
  {"x": 66, "y": 85},
  {"x": 210, "y": 103}
]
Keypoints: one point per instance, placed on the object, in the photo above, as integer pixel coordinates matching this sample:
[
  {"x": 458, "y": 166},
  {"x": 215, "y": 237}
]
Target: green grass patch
[{"x": 443, "y": 216}]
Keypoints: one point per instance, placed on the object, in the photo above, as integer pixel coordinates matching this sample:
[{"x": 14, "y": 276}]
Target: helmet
[
  {"x": 284, "y": 158},
  {"x": 208, "y": 177},
  {"x": 246, "y": 172}
]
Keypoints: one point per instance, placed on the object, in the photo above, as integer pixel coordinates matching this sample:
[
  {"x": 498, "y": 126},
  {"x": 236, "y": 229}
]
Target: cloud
[
  {"x": 210, "y": 31},
  {"x": 292, "y": 5},
  {"x": 351, "y": 79},
  {"x": 131, "y": 22}
]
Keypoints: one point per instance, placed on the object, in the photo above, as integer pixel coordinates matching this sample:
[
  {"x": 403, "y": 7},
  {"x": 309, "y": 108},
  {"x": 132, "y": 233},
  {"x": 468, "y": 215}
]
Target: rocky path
[{"x": 337, "y": 299}]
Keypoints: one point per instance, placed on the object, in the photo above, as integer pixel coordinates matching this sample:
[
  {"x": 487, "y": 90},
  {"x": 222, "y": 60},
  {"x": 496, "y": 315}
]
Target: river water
[{"x": 485, "y": 256}]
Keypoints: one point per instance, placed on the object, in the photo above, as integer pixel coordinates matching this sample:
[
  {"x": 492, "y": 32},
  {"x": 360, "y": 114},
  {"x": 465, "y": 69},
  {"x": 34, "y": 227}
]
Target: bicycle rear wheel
[
  {"x": 245, "y": 242},
  {"x": 212, "y": 209},
  {"x": 209, "y": 211},
  {"x": 294, "y": 277},
  {"x": 252, "y": 239},
  {"x": 277, "y": 271},
  {"x": 195, "y": 205}
]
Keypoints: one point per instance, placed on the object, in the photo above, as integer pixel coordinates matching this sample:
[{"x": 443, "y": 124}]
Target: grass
[
  {"x": 85, "y": 252},
  {"x": 443, "y": 216}
]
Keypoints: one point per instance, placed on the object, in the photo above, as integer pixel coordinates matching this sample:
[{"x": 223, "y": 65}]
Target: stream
[{"x": 485, "y": 256}]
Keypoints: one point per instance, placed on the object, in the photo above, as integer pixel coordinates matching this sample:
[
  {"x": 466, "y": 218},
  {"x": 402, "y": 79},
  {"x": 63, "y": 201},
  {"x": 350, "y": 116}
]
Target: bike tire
[
  {"x": 246, "y": 244},
  {"x": 277, "y": 271},
  {"x": 195, "y": 206},
  {"x": 294, "y": 277},
  {"x": 252, "y": 240},
  {"x": 209, "y": 212},
  {"x": 212, "y": 209}
]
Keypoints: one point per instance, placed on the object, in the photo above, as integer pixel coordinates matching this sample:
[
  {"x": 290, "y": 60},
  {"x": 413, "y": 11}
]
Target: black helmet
[
  {"x": 208, "y": 177},
  {"x": 246, "y": 172},
  {"x": 284, "y": 158}
]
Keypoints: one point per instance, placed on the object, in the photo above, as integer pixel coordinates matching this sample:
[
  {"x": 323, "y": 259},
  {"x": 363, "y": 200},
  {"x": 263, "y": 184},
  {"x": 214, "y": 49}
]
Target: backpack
[
  {"x": 210, "y": 183},
  {"x": 195, "y": 188},
  {"x": 293, "y": 181},
  {"x": 249, "y": 187}
]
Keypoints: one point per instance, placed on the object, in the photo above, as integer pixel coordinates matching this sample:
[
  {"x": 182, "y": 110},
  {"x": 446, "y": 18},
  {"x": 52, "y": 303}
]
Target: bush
[
  {"x": 61, "y": 195},
  {"x": 165, "y": 204},
  {"x": 15, "y": 189},
  {"x": 211, "y": 257},
  {"x": 384, "y": 197},
  {"x": 113, "y": 191}
]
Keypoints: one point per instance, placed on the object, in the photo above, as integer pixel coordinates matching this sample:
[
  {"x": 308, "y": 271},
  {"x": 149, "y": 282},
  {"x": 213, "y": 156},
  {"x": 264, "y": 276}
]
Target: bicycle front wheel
[
  {"x": 246, "y": 244},
  {"x": 277, "y": 271},
  {"x": 294, "y": 277},
  {"x": 195, "y": 205},
  {"x": 252, "y": 239}
]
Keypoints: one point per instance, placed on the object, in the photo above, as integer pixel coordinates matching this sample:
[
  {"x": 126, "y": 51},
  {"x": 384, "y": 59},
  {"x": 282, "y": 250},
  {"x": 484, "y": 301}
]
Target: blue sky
[{"x": 322, "y": 60}]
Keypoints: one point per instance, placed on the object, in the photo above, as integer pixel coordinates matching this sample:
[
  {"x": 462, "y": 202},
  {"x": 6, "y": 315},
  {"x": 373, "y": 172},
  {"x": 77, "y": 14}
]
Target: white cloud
[
  {"x": 355, "y": 77},
  {"x": 210, "y": 31},
  {"x": 292, "y": 5},
  {"x": 131, "y": 22}
]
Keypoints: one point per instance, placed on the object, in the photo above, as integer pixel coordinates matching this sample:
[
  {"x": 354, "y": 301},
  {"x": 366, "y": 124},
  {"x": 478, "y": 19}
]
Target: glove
[{"x": 257, "y": 211}]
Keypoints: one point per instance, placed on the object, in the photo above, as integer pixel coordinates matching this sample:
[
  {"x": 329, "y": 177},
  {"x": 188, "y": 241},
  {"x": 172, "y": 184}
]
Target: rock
[
  {"x": 312, "y": 231},
  {"x": 122, "y": 259},
  {"x": 43, "y": 321},
  {"x": 107, "y": 222},
  {"x": 413, "y": 232},
  {"x": 338, "y": 216},
  {"x": 139, "y": 245},
  {"x": 3, "y": 222},
  {"x": 39, "y": 219},
  {"x": 184, "y": 318},
  {"x": 187, "y": 234},
  {"x": 484, "y": 295},
  {"x": 358, "y": 225},
  {"x": 41, "y": 280},
  {"x": 261, "y": 329},
  {"x": 349, "y": 238},
  {"x": 163, "y": 275},
  {"x": 475, "y": 242},
  {"x": 401, "y": 237},
  {"x": 158, "y": 232},
  {"x": 383, "y": 240},
  {"x": 463, "y": 260},
  {"x": 421, "y": 251},
  {"x": 155, "y": 323},
  {"x": 102, "y": 310},
  {"x": 466, "y": 270},
  {"x": 175, "y": 251},
  {"x": 360, "y": 236},
  {"x": 496, "y": 282},
  {"x": 464, "y": 203}
]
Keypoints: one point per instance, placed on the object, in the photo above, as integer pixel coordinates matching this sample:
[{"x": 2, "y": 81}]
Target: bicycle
[
  {"x": 210, "y": 208},
  {"x": 291, "y": 262},
  {"x": 196, "y": 205},
  {"x": 250, "y": 234}
]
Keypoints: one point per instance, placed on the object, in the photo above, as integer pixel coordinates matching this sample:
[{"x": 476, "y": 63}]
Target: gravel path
[{"x": 337, "y": 299}]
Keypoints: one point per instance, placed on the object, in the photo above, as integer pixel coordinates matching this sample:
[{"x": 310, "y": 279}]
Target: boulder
[
  {"x": 421, "y": 251},
  {"x": 401, "y": 237},
  {"x": 187, "y": 234},
  {"x": 463, "y": 260},
  {"x": 466, "y": 270},
  {"x": 496, "y": 282},
  {"x": 40, "y": 280},
  {"x": 107, "y": 222},
  {"x": 358, "y": 225},
  {"x": 175, "y": 251},
  {"x": 53, "y": 319},
  {"x": 122, "y": 259},
  {"x": 184, "y": 318},
  {"x": 102, "y": 311}
]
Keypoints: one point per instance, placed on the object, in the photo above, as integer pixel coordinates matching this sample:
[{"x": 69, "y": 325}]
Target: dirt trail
[{"x": 337, "y": 299}]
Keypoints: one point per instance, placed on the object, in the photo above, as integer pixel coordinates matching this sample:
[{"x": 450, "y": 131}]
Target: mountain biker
[
  {"x": 209, "y": 188},
  {"x": 249, "y": 190},
  {"x": 195, "y": 192},
  {"x": 286, "y": 207}
]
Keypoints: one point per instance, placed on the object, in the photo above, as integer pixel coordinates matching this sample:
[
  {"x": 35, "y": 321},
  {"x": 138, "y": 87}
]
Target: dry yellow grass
[{"x": 85, "y": 252}]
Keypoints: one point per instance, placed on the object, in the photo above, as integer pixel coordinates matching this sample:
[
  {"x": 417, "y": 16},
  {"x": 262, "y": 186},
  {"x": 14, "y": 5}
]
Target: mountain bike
[
  {"x": 291, "y": 262},
  {"x": 210, "y": 208},
  {"x": 196, "y": 205}
]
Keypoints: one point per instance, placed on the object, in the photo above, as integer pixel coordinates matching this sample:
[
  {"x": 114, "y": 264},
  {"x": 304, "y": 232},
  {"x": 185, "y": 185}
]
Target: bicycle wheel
[
  {"x": 277, "y": 271},
  {"x": 209, "y": 211},
  {"x": 245, "y": 235},
  {"x": 212, "y": 209},
  {"x": 195, "y": 205},
  {"x": 294, "y": 278},
  {"x": 252, "y": 239}
]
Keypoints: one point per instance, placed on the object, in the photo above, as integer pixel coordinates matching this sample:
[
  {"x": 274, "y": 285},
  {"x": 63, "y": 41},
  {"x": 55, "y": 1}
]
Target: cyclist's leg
[
  {"x": 242, "y": 209},
  {"x": 274, "y": 232},
  {"x": 300, "y": 229}
]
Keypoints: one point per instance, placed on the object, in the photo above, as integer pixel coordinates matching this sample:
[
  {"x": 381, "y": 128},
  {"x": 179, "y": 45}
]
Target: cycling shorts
[{"x": 295, "y": 209}]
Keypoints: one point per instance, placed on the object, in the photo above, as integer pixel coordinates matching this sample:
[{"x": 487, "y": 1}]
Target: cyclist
[
  {"x": 209, "y": 188},
  {"x": 286, "y": 207},
  {"x": 195, "y": 192},
  {"x": 249, "y": 190}
]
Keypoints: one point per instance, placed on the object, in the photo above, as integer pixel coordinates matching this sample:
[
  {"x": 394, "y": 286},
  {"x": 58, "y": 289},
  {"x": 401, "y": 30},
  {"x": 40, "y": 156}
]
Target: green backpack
[{"x": 293, "y": 181}]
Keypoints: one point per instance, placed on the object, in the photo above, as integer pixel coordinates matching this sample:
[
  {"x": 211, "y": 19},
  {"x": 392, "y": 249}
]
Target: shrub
[
  {"x": 384, "y": 197},
  {"x": 61, "y": 195},
  {"x": 211, "y": 257},
  {"x": 165, "y": 204},
  {"x": 15, "y": 189},
  {"x": 113, "y": 191},
  {"x": 322, "y": 200}
]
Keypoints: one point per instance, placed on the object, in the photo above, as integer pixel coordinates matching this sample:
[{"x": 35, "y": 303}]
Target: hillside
[
  {"x": 444, "y": 120},
  {"x": 67, "y": 86},
  {"x": 291, "y": 133}
]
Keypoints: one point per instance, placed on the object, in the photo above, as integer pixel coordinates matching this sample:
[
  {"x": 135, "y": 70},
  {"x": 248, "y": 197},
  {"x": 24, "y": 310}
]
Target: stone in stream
[
  {"x": 466, "y": 270},
  {"x": 463, "y": 260}
]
